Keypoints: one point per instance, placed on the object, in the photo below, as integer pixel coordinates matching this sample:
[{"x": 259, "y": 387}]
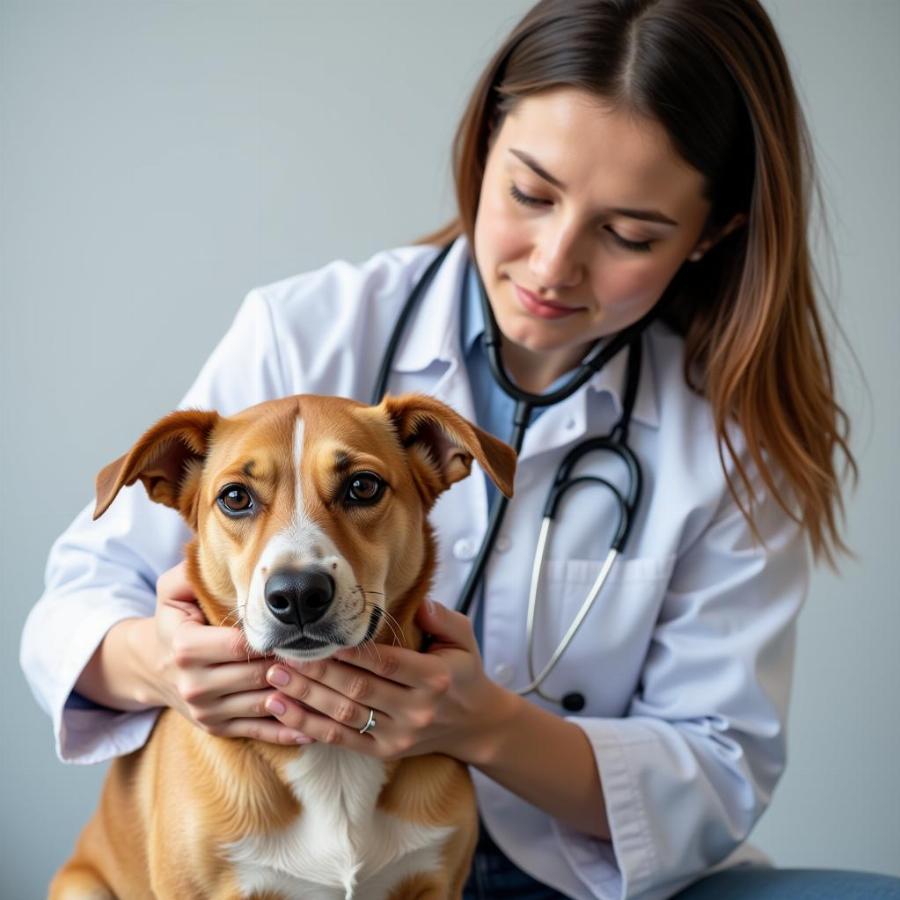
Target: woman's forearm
[
  {"x": 117, "y": 674},
  {"x": 545, "y": 760}
]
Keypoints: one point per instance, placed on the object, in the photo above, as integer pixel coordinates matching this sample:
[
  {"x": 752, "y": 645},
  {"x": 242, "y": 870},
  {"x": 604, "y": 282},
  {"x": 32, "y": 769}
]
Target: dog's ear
[
  {"x": 446, "y": 443},
  {"x": 167, "y": 459}
]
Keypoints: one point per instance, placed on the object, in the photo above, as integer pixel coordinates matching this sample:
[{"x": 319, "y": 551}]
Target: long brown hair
[{"x": 713, "y": 73}]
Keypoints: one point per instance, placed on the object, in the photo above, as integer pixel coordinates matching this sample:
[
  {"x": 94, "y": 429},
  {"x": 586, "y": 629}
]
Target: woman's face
[{"x": 585, "y": 214}]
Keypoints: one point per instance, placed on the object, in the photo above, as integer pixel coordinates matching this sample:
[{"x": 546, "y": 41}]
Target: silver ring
[{"x": 370, "y": 725}]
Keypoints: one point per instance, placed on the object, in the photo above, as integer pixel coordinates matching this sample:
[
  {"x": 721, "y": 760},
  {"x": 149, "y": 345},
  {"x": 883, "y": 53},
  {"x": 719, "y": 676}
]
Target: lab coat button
[
  {"x": 503, "y": 674},
  {"x": 464, "y": 549},
  {"x": 503, "y": 544}
]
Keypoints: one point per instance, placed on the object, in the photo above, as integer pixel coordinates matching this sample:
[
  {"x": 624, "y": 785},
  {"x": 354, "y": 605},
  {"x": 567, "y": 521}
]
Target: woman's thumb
[
  {"x": 173, "y": 590},
  {"x": 446, "y": 626}
]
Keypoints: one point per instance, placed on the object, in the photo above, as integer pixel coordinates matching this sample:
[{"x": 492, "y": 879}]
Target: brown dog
[{"x": 310, "y": 521}]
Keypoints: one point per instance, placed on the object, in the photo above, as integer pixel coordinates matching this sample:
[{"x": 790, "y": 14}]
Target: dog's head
[{"x": 310, "y": 513}]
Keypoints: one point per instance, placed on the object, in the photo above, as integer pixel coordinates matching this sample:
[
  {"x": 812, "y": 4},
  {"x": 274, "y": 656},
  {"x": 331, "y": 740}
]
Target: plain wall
[{"x": 159, "y": 159}]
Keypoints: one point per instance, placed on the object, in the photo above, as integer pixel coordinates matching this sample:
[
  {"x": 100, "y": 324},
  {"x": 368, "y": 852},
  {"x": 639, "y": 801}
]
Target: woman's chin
[{"x": 541, "y": 337}]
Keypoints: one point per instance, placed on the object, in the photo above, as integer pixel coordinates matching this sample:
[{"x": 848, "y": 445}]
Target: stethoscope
[{"x": 616, "y": 442}]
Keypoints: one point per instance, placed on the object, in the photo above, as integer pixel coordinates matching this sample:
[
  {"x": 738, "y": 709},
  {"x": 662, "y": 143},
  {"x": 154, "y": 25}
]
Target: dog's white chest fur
[{"x": 341, "y": 846}]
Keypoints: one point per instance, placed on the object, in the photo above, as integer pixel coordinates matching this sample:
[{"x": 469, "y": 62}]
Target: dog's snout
[{"x": 299, "y": 597}]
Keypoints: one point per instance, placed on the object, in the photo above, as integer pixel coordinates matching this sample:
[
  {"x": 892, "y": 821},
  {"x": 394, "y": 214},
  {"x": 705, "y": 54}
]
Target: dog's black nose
[{"x": 298, "y": 598}]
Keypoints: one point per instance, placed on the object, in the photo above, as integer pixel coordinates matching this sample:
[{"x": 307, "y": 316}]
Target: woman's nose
[{"x": 555, "y": 261}]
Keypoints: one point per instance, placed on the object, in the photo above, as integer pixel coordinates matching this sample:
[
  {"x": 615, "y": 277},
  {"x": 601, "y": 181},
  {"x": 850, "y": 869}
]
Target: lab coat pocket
[{"x": 606, "y": 656}]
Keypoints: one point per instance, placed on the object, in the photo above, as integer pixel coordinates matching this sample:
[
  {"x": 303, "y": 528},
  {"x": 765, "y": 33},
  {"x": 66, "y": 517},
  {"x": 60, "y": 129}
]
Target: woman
[{"x": 618, "y": 158}]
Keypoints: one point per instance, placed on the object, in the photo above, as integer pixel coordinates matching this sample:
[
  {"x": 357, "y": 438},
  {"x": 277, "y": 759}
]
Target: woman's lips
[{"x": 545, "y": 309}]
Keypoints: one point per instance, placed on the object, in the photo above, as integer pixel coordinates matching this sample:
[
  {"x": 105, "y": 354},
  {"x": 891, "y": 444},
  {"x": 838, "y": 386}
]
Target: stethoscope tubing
[
  {"x": 534, "y": 686},
  {"x": 526, "y": 403},
  {"x": 627, "y": 505}
]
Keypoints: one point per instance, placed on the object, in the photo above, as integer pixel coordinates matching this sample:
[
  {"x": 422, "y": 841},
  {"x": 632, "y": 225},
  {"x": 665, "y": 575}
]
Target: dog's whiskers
[
  {"x": 372, "y": 648},
  {"x": 363, "y": 594},
  {"x": 392, "y": 623},
  {"x": 235, "y": 614}
]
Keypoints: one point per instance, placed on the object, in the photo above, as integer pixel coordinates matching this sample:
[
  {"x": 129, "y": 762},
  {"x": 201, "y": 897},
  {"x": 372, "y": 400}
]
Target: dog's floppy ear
[
  {"x": 446, "y": 443},
  {"x": 167, "y": 459}
]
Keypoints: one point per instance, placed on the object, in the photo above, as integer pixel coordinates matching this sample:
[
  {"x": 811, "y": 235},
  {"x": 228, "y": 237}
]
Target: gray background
[{"x": 158, "y": 159}]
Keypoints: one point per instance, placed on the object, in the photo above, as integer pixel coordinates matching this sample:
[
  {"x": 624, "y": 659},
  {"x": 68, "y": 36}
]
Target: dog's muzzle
[{"x": 299, "y": 598}]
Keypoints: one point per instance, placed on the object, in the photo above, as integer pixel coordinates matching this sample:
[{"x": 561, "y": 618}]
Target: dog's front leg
[{"x": 79, "y": 882}]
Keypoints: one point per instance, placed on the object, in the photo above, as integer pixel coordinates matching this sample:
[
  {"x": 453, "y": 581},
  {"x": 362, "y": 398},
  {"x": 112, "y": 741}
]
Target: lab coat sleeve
[
  {"x": 99, "y": 573},
  {"x": 690, "y": 769}
]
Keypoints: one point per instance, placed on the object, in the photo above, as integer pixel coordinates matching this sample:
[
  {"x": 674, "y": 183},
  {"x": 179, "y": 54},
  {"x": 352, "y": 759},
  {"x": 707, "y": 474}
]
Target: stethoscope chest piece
[{"x": 573, "y": 702}]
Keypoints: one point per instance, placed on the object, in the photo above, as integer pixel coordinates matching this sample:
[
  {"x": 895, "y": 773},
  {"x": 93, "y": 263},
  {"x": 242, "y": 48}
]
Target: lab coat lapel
[
  {"x": 431, "y": 347},
  {"x": 433, "y": 332},
  {"x": 569, "y": 421},
  {"x": 558, "y": 426}
]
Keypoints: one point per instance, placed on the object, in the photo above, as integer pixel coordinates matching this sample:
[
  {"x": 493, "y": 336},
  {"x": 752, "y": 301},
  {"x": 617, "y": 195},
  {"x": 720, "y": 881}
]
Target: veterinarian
[{"x": 616, "y": 159}]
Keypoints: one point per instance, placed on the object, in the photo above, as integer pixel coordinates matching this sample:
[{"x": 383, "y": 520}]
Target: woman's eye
[
  {"x": 525, "y": 199},
  {"x": 528, "y": 200},
  {"x": 235, "y": 499},
  {"x": 637, "y": 246},
  {"x": 365, "y": 488}
]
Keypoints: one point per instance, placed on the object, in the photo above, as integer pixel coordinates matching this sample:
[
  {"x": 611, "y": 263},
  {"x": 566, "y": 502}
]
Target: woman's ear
[
  {"x": 167, "y": 459},
  {"x": 708, "y": 241}
]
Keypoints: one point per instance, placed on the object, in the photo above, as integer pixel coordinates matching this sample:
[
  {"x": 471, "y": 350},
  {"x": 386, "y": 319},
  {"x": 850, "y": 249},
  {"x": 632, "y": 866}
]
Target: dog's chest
[{"x": 341, "y": 846}]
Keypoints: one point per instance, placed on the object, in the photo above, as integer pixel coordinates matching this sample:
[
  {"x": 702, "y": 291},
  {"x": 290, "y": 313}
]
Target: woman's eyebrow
[
  {"x": 537, "y": 168},
  {"x": 645, "y": 215}
]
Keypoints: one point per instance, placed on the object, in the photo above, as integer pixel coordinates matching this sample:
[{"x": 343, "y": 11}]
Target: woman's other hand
[{"x": 439, "y": 701}]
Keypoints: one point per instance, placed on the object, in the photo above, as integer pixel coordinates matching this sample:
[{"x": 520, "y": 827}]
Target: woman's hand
[
  {"x": 440, "y": 701},
  {"x": 208, "y": 673}
]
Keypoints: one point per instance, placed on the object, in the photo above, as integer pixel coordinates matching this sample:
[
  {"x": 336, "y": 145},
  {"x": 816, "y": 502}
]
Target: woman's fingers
[
  {"x": 269, "y": 730},
  {"x": 397, "y": 664},
  {"x": 366, "y": 687},
  {"x": 203, "y": 684},
  {"x": 323, "y": 729},
  {"x": 335, "y": 691},
  {"x": 196, "y": 644},
  {"x": 245, "y": 715},
  {"x": 244, "y": 705}
]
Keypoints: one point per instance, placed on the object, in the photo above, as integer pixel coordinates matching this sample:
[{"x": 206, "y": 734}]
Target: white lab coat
[{"x": 685, "y": 660}]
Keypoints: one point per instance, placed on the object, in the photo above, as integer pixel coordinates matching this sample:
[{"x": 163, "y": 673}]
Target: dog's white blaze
[
  {"x": 299, "y": 431},
  {"x": 293, "y": 546},
  {"x": 340, "y": 847}
]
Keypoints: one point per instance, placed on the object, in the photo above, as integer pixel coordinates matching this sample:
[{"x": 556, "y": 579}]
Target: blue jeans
[
  {"x": 495, "y": 877},
  {"x": 756, "y": 883}
]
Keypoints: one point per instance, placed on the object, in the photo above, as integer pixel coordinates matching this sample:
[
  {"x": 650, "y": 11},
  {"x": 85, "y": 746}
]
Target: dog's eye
[
  {"x": 364, "y": 488},
  {"x": 235, "y": 500}
]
